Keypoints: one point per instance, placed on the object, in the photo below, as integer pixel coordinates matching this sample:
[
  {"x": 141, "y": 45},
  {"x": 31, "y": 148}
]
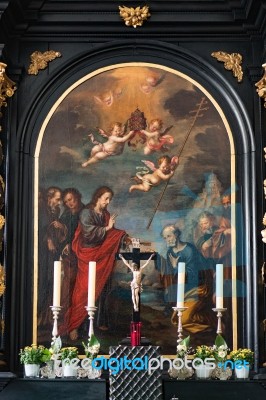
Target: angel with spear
[{"x": 164, "y": 171}]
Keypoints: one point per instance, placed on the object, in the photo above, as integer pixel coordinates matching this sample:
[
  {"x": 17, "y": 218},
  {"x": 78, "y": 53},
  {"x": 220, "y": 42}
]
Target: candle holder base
[{"x": 179, "y": 311}]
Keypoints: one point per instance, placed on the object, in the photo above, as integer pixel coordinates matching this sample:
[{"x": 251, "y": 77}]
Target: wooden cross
[{"x": 136, "y": 256}]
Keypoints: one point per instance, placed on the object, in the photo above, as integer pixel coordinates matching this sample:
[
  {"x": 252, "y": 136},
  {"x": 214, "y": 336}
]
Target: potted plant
[
  {"x": 180, "y": 370},
  {"x": 243, "y": 360},
  {"x": 203, "y": 356},
  {"x": 32, "y": 357},
  {"x": 67, "y": 354}
]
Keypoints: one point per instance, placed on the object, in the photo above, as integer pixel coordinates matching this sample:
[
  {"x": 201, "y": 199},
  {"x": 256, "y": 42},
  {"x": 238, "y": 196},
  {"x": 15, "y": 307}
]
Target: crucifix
[{"x": 136, "y": 286}]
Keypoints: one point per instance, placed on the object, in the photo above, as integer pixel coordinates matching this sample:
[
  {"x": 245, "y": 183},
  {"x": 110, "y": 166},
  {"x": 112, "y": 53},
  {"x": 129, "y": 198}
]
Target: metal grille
[{"x": 135, "y": 384}]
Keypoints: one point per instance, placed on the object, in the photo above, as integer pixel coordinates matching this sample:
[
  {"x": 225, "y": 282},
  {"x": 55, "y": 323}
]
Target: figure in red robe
[{"x": 96, "y": 239}]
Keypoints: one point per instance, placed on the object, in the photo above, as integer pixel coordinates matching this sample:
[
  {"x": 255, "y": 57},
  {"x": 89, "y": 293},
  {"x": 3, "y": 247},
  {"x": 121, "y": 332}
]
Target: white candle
[
  {"x": 91, "y": 283},
  {"x": 57, "y": 284},
  {"x": 180, "y": 285},
  {"x": 219, "y": 285}
]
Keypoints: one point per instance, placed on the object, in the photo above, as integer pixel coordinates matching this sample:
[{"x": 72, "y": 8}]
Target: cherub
[
  {"x": 113, "y": 147},
  {"x": 156, "y": 138},
  {"x": 136, "y": 285},
  {"x": 165, "y": 171}
]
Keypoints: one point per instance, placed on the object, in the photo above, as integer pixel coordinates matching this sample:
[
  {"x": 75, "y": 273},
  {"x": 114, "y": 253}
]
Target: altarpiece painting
[{"x": 162, "y": 145}]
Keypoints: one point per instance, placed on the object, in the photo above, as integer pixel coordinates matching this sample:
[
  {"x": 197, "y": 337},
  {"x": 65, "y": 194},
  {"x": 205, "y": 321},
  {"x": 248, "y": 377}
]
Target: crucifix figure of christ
[{"x": 136, "y": 287}]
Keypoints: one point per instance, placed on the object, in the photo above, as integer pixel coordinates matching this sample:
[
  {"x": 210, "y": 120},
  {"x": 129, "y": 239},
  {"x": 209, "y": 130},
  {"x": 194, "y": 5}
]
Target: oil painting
[{"x": 142, "y": 151}]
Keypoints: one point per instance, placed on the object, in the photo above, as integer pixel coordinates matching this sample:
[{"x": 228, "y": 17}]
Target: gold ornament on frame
[
  {"x": 261, "y": 88},
  {"x": 40, "y": 60},
  {"x": 232, "y": 62},
  {"x": 134, "y": 16},
  {"x": 7, "y": 87}
]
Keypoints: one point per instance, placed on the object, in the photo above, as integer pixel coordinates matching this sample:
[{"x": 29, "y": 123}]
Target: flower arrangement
[
  {"x": 92, "y": 348},
  {"x": 183, "y": 349},
  {"x": 220, "y": 349},
  {"x": 55, "y": 348},
  {"x": 68, "y": 353},
  {"x": 203, "y": 352},
  {"x": 241, "y": 355},
  {"x": 34, "y": 354}
]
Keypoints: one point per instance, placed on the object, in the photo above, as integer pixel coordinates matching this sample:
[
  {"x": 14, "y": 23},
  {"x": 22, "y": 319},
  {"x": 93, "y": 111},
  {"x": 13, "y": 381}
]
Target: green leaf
[
  {"x": 185, "y": 341},
  {"x": 219, "y": 341},
  {"x": 93, "y": 341}
]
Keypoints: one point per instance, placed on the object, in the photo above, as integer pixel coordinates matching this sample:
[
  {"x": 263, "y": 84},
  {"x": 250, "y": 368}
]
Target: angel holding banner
[{"x": 164, "y": 171}]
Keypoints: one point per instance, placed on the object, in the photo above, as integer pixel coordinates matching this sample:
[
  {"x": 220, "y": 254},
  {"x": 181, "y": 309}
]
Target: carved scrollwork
[
  {"x": 40, "y": 60},
  {"x": 232, "y": 62},
  {"x": 261, "y": 87},
  {"x": 134, "y": 16},
  {"x": 7, "y": 87},
  {"x": 263, "y": 232},
  {"x": 2, "y": 280}
]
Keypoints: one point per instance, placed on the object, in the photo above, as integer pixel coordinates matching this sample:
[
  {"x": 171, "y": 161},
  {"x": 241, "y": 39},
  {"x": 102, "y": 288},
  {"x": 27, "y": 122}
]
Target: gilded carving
[
  {"x": 232, "y": 62},
  {"x": 134, "y": 16},
  {"x": 2, "y": 280},
  {"x": 7, "y": 87},
  {"x": 40, "y": 60},
  {"x": 2, "y": 221},
  {"x": 263, "y": 232},
  {"x": 261, "y": 88}
]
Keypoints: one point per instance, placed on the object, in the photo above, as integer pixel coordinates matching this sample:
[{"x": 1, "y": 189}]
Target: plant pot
[
  {"x": 69, "y": 371},
  {"x": 203, "y": 372},
  {"x": 182, "y": 373},
  {"x": 242, "y": 372},
  {"x": 31, "y": 370},
  {"x": 222, "y": 373}
]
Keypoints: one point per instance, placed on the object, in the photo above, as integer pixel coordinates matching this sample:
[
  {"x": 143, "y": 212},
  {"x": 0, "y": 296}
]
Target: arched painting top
[
  {"x": 162, "y": 144},
  {"x": 136, "y": 64}
]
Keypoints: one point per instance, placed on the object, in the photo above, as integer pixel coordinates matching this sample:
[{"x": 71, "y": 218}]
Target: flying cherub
[
  {"x": 113, "y": 147},
  {"x": 156, "y": 137},
  {"x": 165, "y": 171}
]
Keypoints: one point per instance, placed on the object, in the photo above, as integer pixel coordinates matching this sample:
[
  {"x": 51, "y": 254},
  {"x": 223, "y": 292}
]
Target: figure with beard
[
  {"x": 198, "y": 282},
  {"x": 52, "y": 233},
  {"x": 215, "y": 240},
  {"x": 70, "y": 217},
  {"x": 96, "y": 239}
]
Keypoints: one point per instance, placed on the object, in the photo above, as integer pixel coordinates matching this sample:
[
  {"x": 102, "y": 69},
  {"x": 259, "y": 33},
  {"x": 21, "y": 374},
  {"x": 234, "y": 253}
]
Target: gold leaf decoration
[
  {"x": 2, "y": 221},
  {"x": 261, "y": 90},
  {"x": 7, "y": 87},
  {"x": 134, "y": 16},
  {"x": 40, "y": 60},
  {"x": 232, "y": 62},
  {"x": 2, "y": 280}
]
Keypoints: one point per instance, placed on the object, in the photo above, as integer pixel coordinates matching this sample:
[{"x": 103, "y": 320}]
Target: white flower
[
  {"x": 181, "y": 347},
  {"x": 222, "y": 353}
]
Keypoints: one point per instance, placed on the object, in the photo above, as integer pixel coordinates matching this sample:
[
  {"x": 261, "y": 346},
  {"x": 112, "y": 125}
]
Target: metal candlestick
[
  {"x": 179, "y": 311},
  {"x": 91, "y": 312},
  {"x": 219, "y": 318},
  {"x": 56, "y": 310}
]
